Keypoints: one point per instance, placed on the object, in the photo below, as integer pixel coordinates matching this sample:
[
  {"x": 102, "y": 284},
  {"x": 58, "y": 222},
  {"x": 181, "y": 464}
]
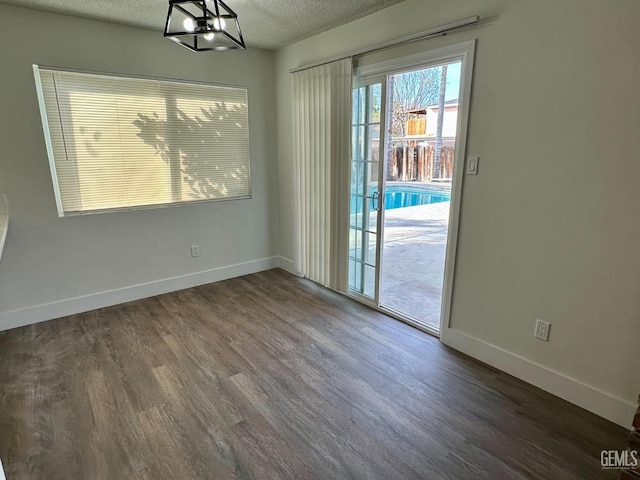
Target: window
[{"x": 118, "y": 142}]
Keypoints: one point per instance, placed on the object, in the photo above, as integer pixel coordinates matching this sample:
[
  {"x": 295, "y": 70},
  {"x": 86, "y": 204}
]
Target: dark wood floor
[{"x": 266, "y": 377}]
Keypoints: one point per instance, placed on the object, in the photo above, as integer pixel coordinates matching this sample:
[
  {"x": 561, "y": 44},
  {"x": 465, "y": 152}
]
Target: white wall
[
  {"x": 48, "y": 260},
  {"x": 550, "y": 228},
  {"x": 449, "y": 122}
]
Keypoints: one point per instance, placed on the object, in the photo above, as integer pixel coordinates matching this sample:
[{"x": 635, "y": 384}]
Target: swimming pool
[{"x": 400, "y": 196}]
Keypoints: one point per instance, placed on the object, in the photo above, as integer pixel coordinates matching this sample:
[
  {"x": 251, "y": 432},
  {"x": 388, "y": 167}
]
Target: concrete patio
[{"x": 413, "y": 261}]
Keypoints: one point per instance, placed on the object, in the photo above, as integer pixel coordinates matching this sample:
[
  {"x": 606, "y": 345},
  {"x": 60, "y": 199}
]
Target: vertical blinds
[
  {"x": 120, "y": 142},
  {"x": 322, "y": 137}
]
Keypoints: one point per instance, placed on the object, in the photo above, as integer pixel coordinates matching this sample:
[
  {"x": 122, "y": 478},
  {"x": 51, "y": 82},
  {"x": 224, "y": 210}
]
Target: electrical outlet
[
  {"x": 195, "y": 251},
  {"x": 542, "y": 330}
]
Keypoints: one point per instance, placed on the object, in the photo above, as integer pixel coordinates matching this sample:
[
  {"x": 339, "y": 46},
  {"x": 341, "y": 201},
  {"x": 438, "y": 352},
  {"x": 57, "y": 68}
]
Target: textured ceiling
[{"x": 269, "y": 24}]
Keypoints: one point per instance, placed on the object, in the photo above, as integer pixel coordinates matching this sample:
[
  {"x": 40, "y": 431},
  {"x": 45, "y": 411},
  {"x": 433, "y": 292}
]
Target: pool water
[{"x": 400, "y": 197}]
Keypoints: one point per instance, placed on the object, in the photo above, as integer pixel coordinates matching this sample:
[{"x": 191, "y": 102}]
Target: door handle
[{"x": 375, "y": 201}]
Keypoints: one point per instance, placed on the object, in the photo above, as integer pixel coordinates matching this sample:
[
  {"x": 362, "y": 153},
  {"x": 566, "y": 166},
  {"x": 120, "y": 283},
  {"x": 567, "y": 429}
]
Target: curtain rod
[{"x": 431, "y": 32}]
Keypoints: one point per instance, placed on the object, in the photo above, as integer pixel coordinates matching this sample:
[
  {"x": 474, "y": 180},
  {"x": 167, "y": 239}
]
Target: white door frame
[{"x": 464, "y": 52}]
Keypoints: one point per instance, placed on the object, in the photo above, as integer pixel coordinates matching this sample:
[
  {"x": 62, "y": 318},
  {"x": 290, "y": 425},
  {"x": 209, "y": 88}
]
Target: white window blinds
[{"x": 120, "y": 142}]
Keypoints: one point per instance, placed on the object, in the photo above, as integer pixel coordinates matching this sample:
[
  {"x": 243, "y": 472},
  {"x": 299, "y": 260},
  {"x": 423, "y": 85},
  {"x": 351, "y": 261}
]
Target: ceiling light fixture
[{"x": 202, "y": 25}]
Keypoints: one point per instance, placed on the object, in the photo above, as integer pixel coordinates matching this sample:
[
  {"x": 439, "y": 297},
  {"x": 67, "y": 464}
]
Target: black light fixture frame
[{"x": 204, "y": 25}]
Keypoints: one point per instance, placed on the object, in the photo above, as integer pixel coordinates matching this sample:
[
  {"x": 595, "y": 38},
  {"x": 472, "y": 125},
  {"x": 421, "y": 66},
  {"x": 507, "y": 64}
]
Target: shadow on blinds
[{"x": 189, "y": 160}]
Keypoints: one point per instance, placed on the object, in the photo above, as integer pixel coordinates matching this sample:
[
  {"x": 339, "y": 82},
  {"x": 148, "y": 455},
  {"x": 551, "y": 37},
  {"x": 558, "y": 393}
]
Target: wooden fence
[{"x": 417, "y": 163}]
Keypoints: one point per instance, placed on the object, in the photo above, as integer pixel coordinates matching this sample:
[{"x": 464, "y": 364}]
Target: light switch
[{"x": 472, "y": 165}]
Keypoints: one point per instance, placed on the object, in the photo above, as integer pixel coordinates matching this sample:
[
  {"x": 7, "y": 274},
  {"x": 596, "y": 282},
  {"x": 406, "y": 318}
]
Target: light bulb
[
  {"x": 219, "y": 23},
  {"x": 188, "y": 25},
  {"x": 209, "y": 36}
]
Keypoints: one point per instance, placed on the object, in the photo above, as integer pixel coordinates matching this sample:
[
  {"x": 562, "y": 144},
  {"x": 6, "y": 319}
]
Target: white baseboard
[
  {"x": 608, "y": 406},
  {"x": 287, "y": 265},
  {"x": 71, "y": 306}
]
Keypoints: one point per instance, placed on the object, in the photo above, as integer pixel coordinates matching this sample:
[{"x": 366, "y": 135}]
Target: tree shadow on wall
[{"x": 193, "y": 147}]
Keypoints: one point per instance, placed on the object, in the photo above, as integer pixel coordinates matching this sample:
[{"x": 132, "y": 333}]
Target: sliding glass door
[{"x": 408, "y": 139}]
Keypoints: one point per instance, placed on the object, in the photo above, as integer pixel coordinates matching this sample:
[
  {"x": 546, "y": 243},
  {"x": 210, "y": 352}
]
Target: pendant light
[{"x": 202, "y": 25}]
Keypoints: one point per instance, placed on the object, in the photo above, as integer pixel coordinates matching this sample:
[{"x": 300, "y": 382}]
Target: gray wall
[
  {"x": 49, "y": 259},
  {"x": 550, "y": 228}
]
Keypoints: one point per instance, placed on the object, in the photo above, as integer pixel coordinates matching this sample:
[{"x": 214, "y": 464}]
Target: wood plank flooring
[{"x": 272, "y": 377}]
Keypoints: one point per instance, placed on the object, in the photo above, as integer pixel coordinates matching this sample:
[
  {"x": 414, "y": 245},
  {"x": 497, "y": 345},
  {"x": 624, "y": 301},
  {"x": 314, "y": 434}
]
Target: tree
[
  {"x": 441, "y": 101},
  {"x": 411, "y": 91}
]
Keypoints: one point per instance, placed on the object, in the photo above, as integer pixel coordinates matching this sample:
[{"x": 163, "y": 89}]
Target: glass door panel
[
  {"x": 364, "y": 194},
  {"x": 423, "y": 132}
]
